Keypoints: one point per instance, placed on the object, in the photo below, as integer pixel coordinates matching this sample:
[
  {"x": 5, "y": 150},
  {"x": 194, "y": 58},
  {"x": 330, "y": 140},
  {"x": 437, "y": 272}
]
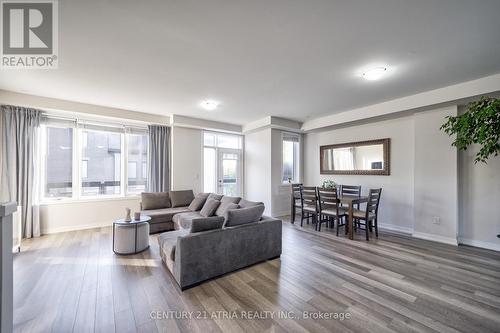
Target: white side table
[{"x": 131, "y": 237}]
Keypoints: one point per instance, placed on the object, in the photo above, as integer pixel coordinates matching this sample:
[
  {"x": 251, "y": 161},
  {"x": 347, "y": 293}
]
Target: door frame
[{"x": 239, "y": 171}]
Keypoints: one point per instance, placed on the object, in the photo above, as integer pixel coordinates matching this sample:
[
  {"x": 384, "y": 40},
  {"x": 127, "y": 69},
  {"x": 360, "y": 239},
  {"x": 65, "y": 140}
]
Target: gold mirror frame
[{"x": 386, "y": 171}]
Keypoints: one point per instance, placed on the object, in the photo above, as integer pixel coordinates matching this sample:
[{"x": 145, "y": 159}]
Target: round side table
[{"x": 131, "y": 237}]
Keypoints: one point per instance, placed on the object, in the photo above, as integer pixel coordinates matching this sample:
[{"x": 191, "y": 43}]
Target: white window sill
[{"x": 88, "y": 200}]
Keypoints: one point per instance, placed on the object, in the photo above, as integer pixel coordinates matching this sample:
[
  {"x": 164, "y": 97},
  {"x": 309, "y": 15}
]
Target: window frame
[
  {"x": 77, "y": 161},
  {"x": 296, "y": 158}
]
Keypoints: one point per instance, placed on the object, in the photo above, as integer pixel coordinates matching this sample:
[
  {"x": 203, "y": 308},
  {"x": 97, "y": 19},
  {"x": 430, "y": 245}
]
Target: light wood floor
[{"x": 72, "y": 282}]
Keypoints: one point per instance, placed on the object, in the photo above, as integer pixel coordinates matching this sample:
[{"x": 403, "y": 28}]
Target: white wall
[
  {"x": 68, "y": 216},
  {"x": 186, "y": 156},
  {"x": 396, "y": 206},
  {"x": 258, "y": 168},
  {"x": 435, "y": 178},
  {"x": 479, "y": 198}
]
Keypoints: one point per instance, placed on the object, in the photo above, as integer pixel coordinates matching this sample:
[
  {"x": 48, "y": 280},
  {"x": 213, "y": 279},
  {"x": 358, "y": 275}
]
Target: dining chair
[
  {"x": 308, "y": 204},
  {"x": 370, "y": 215},
  {"x": 353, "y": 190},
  {"x": 295, "y": 200},
  {"x": 330, "y": 209}
]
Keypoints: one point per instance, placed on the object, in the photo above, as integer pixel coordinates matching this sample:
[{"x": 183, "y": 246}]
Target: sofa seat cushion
[
  {"x": 235, "y": 217},
  {"x": 183, "y": 220},
  {"x": 155, "y": 200},
  {"x": 163, "y": 215},
  {"x": 181, "y": 198}
]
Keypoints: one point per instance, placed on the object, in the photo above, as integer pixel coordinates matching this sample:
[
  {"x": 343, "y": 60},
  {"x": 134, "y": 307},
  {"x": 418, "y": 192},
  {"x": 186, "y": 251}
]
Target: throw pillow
[
  {"x": 199, "y": 225},
  {"x": 209, "y": 207},
  {"x": 240, "y": 216},
  {"x": 198, "y": 202},
  {"x": 154, "y": 200},
  {"x": 214, "y": 196},
  {"x": 224, "y": 206}
]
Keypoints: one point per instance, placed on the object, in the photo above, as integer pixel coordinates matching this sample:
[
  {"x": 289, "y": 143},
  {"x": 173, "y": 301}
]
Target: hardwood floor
[{"x": 72, "y": 282}]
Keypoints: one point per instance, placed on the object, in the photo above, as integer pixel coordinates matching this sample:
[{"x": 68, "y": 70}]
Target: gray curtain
[
  {"x": 19, "y": 164},
  {"x": 159, "y": 158}
]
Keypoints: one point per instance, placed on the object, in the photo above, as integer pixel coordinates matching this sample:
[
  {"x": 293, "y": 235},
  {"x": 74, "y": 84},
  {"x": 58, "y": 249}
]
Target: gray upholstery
[
  {"x": 199, "y": 256},
  {"x": 224, "y": 207},
  {"x": 215, "y": 196},
  {"x": 198, "y": 202},
  {"x": 181, "y": 198},
  {"x": 236, "y": 217},
  {"x": 209, "y": 207},
  {"x": 161, "y": 219},
  {"x": 155, "y": 200},
  {"x": 169, "y": 242},
  {"x": 207, "y": 223},
  {"x": 184, "y": 220},
  {"x": 224, "y": 203},
  {"x": 245, "y": 203}
]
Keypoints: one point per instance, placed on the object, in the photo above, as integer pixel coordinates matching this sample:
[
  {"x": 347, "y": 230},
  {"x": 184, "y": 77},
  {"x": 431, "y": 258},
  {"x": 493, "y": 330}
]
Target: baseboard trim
[
  {"x": 281, "y": 214},
  {"x": 46, "y": 231},
  {"x": 396, "y": 228},
  {"x": 435, "y": 238},
  {"x": 481, "y": 244}
]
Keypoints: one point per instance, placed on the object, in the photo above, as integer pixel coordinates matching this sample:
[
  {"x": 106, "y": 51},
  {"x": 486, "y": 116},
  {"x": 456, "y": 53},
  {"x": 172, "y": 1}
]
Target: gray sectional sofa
[
  {"x": 163, "y": 206},
  {"x": 217, "y": 235}
]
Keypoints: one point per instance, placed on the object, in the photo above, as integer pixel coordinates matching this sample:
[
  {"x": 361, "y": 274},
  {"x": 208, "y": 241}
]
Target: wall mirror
[{"x": 356, "y": 158}]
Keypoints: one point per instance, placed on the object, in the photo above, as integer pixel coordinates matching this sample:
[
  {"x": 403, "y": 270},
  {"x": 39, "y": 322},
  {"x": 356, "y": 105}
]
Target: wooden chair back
[
  {"x": 373, "y": 201},
  {"x": 350, "y": 190},
  {"x": 309, "y": 196},
  {"x": 328, "y": 199},
  {"x": 296, "y": 191}
]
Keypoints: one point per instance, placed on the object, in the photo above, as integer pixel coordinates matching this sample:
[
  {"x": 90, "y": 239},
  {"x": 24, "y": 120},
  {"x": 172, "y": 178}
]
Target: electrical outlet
[{"x": 436, "y": 220}]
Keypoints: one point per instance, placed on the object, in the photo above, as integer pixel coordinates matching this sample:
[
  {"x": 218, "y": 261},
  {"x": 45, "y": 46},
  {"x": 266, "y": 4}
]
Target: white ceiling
[{"x": 291, "y": 59}]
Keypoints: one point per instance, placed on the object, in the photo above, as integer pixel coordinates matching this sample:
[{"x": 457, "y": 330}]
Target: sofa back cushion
[
  {"x": 198, "y": 202},
  {"x": 209, "y": 207},
  {"x": 245, "y": 203},
  {"x": 224, "y": 206},
  {"x": 202, "y": 224},
  {"x": 155, "y": 200},
  {"x": 181, "y": 198},
  {"x": 241, "y": 216}
]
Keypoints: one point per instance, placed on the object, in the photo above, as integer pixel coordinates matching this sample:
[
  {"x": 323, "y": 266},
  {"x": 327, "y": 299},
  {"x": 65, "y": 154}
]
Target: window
[
  {"x": 222, "y": 167},
  {"x": 58, "y": 162},
  {"x": 290, "y": 158},
  {"x": 83, "y": 160},
  {"x": 137, "y": 155},
  {"x": 103, "y": 163},
  {"x": 85, "y": 167}
]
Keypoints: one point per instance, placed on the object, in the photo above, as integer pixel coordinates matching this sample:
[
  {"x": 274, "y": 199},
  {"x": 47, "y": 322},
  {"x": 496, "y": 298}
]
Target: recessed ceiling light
[
  {"x": 375, "y": 73},
  {"x": 209, "y": 105}
]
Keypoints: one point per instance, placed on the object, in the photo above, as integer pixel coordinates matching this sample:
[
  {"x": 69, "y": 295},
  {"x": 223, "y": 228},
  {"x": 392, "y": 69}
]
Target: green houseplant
[{"x": 479, "y": 125}]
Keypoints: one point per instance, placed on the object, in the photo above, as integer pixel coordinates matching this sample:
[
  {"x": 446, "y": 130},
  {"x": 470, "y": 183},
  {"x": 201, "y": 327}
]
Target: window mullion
[
  {"x": 124, "y": 161},
  {"x": 77, "y": 162}
]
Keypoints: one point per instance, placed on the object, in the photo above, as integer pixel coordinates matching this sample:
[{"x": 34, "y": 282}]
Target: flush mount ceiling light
[
  {"x": 375, "y": 73},
  {"x": 209, "y": 105}
]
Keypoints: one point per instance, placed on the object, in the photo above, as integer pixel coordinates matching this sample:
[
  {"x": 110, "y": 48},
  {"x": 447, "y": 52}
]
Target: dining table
[{"x": 350, "y": 201}]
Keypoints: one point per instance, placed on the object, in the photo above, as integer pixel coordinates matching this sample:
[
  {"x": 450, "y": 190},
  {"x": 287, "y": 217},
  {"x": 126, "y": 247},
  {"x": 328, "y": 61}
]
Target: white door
[{"x": 229, "y": 172}]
